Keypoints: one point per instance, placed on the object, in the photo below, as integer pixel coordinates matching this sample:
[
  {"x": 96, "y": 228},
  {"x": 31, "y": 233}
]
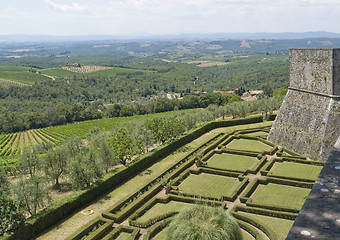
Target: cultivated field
[
  {"x": 18, "y": 76},
  {"x": 15, "y": 143},
  {"x": 101, "y": 71},
  {"x": 237, "y": 170}
]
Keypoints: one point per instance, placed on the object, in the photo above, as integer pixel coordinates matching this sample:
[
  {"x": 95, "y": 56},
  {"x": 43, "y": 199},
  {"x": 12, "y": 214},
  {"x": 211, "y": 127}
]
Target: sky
[{"x": 164, "y": 17}]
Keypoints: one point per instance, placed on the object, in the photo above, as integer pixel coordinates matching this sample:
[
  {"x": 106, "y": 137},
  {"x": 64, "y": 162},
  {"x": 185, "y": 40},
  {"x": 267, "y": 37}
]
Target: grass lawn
[
  {"x": 232, "y": 162},
  {"x": 280, "y": 227},
  {"x": 247, "y": 144},
  {"x": 162, "y": 235},
  {"x": 280, "y": 196},
  {"x": 246, "y": 236},
  {"x": 124, "y": 236},
  {"x": 163, "y": 208},
  {"x": 256, "y": 134},
  {"x": 209, "y": 185},
  {"x": 295, "y": 170}
]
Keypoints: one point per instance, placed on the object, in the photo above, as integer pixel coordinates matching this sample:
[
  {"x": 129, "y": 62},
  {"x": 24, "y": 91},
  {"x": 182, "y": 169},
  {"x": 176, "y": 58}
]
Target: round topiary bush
[{"x": 204, "y": 223}]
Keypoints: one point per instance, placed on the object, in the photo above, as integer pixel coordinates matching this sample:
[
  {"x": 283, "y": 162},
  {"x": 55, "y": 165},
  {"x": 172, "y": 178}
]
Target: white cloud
[
  {"x": 67, "y": 8},
  {"x": 13, "y": 13}
]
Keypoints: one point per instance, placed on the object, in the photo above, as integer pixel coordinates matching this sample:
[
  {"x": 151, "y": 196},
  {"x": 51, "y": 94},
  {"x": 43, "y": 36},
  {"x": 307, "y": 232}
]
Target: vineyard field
[
  {"x": 106, "y": 124},
  {"x": 15, "y": 143},
  {"x": 79, "y": 72}
]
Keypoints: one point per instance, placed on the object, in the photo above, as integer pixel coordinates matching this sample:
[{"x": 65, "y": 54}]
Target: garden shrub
[{"x": 203, "y": 222}]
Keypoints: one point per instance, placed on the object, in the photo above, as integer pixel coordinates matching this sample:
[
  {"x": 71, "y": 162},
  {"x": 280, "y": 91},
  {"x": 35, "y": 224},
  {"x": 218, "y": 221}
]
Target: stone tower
[{"x": 309, "y": 119}]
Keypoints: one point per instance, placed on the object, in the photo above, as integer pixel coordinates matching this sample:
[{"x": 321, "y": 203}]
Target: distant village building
[
  {"x": 224, "y": 92},
  {"x": 251, "y": 95}
]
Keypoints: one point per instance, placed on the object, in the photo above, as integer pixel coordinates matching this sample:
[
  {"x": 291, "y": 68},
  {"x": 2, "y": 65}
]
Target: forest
[{"x": 165, "y": 76}]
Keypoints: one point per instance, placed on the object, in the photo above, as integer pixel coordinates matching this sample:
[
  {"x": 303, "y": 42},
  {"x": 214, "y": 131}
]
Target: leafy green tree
[
  {"x": 29, "y": 162},
  {"x": 31, "y": 193},
  {"x": 55, "y": 164},
  {"x": 84, "y": 169},
  {"x": 10, "y": 217},
  {"x": 106, "y": 155},
  {"x": 4, "y": 183},
  {"x": 146, "y": 137},
  {"x": 204, "y": 222},
  {"x": 122, "y": 145},
  {"x": 267, "y": 90},
  {"x": 73, "y": 146}
]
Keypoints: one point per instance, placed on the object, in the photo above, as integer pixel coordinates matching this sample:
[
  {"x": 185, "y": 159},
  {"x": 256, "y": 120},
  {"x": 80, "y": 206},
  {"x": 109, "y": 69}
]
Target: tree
[
  {"x": 31, "y": 193},
  {"x": 203, "y": 222},
  {"x": 267, "y": 90},
  {"x": 10, "y": 217},
  {"x": 29, "y": 162},
  {"x": 73, "y": 146},
  {"x": 122, "y": 145},
  {"x": 106, "y": 155},
  {"x": 4, "y": 184},
  {"x": 84, "y": 169},
  {"x": 55, "y": 164},
  {"x": 146, "y": 137}
]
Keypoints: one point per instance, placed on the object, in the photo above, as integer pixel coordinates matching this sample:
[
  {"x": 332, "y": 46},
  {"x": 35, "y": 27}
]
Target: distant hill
[{"x": 189, "y": 36}]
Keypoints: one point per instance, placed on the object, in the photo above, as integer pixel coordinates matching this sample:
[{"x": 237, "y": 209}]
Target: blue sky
[{"x": 119, "y": 17}]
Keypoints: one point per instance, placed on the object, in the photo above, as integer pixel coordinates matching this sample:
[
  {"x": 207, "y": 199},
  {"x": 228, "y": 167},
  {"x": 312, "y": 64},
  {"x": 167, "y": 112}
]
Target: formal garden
[{"x": 232, "y": 168}]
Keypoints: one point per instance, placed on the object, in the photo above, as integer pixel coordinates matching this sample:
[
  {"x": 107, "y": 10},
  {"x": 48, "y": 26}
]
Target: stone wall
[{"x": 309, "y": 119}]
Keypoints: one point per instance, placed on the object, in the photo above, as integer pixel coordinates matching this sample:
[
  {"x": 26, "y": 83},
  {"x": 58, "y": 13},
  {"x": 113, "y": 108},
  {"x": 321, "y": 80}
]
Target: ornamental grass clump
[{"x": 202, "y": 222}]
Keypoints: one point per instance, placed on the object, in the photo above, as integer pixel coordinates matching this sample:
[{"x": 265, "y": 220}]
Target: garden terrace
[{"x": 229, "y": 176}]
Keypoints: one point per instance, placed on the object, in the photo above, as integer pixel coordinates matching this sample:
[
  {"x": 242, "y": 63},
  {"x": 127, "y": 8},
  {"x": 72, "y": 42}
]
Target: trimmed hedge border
[
  {"x": 265, "y": 212},
  {"x": 283, "y": 153},
  {"x": 253, "y": 222},
  {"x": 203, "y": 169},
  {"x": 104, "y": 226},
  {"x": 261, "y": 162},
  {"x": 249, "y": 229},
  {"x": 245, "y": 197},
  {"x": 268, "y": 166},
  {"x": 135, "y": 232},
  {"x": 156, "y": 228},
  {"x": 170, "y": 197},
  {"x": 58, "y": 210}
]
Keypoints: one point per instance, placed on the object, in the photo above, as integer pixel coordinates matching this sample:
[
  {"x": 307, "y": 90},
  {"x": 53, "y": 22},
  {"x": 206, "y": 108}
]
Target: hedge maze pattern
[
  {"x": 261, "y": 185},
  {"x": 15, "y": 143}
]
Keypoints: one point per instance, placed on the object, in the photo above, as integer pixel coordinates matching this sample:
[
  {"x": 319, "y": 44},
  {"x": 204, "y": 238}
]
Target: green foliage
[
  {"x": 122, "y": 145},
  {"x": 203, "y": 222},
  {"x": 84, "y": 169},
  {"x": 4, "y": 183},
  {"x": 55, "y": 164},
  {"x": 31, "y": 194},
  {"x": 10, "y": 217},
  {"x": 29, "y": 162}
]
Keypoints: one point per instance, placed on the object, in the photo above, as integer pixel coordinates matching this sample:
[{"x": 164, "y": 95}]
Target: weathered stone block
[{"x": 309, "y": 118}]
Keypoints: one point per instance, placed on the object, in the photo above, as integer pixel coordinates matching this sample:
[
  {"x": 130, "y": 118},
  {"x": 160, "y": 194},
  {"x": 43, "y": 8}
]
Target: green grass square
[
  {"x": 278, "y": 195},
  {"x": 295, "y": 170},
  {"x": 124, "y": 236},
  {"x": 257, "y": 134},
  {"x": 278, "y": 226},
  {"x": 232, "y": 162},
  {"x": 248, "y": 145},
  {"x": 160, "y": 209},
  {"x": 209, "y": 185},
  {"x": 162, "y": 235}
]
